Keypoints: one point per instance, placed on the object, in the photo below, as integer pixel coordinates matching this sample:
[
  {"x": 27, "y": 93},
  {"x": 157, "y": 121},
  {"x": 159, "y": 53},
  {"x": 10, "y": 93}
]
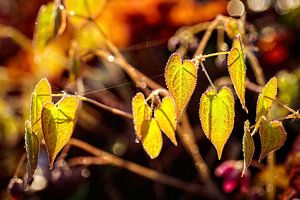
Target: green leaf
[
  {"x": 40, "y": 95},
  {"x": 272, "y": 136},
  {"x": 264, "y": 104},
  {"x": 217, "y": 116},
  {"x": 58, "y": 122},
  {"x": 248, "y": 146},
  {"x": 152, "y": 139},
  {"x": 166, "y": 119},
  {"x": 83, "y": 9},
  {"x": 45, "y": 27},
  {"x": 142, "y": 114},
  {"x": 32, "y": 146},
  {"x": 237, "y": 70},
  {"x": 181, "y": 80}
]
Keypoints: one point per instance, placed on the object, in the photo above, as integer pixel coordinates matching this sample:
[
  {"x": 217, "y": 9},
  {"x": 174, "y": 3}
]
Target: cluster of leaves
[
  {"x": 216, "y": 107},
  {"x": 49, "y": 122}
]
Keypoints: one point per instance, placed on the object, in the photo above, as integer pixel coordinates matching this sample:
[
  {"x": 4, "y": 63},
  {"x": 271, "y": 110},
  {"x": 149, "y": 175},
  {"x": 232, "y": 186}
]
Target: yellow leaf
[
  {"x": 45, "y": 27},
  {"x": 232, "y": 27},
  {"x": 264, "y": 104},
  {"x": 248, "y": 146},
  {"x": 40, "y": 95},
  {"x": 142, "y": 114},
  {"x": 272, "y": 136},
  {"x": 152, "y": 139},
  {"x": 181, "y": 80},
  {"x": 237, "y": 70},
  {"x": 32, "y": 146},
  {"x": 58, "y": 122},
  {"x": 83, "y": 8},
  {"x": 217, "y": 116},
  {"x": 165, "y": 117}
]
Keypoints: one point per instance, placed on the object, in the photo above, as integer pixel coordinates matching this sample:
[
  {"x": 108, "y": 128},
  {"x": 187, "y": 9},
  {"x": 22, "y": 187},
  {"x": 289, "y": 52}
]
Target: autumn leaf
[
  {"x": 217, "y": 116},
  {"x": 248, "y": 147},
  {"x": 45, "y": 27},
  {"x": 152, "y": 139},
  {"x": 83, "y": 8},
  {"x": 32, "y": 146},
  {"x": 142, "y": 114},
  {"x": 166, "y": 119},
  {"x": 58, "y": 121},
  {"x": 40, "y": 95},
  {"x": 237, "y": 70},
  {"x": 272, "y": 136},
  {"x": 264, "y": 104},
  {"x": 181, "y": 80}
]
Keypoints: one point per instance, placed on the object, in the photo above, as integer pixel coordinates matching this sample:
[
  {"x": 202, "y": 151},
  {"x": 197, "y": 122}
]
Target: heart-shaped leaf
[
  {"x": 152, "y": 139},
  {"x": 166, "y": 119},
  {"x": 40, "y": 95},
  {"x": 181, "y": 80},
  {"x": 58, "y": 121},
  {"x": 237, "y": 70},
  {"x": 248, "y": 146},
  {"x": 142, "y": 114},
  {"x": 45, "y": 27},
  {"x": 272, "y": 136},
  {"x": 217, "y": 116},
  {"x": 32, "y": 146},
  {"x": 264, "y": 104}
]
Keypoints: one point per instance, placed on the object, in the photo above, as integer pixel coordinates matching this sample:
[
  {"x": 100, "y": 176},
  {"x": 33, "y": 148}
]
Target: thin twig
[
  {"x": 257, "y": 69},
  {"x": 207, "y": 76}
]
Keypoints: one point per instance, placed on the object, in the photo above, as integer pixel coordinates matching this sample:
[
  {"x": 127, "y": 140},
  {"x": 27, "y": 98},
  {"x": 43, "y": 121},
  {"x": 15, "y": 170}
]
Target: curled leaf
[
  {"x": 181, "y": 80},
  {"x": 58, "y": 121},
  {"x": 32, "y": 146},
  {"x": 142, "y": 114},
  {"x": 217, "y": 116},
  {"x": 165, "y": 117},
  {"x": 272, "y": 136},
  {"x": 40, "y": 95},
  {"x": 248, "y": 146},
  {"x": 237, "y": 70},
  {"x": 152, "y": 139},
  {"x": 264, "y": 104}
]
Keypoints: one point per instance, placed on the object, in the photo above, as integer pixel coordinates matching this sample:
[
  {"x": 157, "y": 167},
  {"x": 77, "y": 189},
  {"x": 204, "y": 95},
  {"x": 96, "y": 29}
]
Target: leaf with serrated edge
[
  {"x": 40, "y": 95},
  {"x": 45, "y": 26},
  {"x": 264, "y": 104},
  {"x": 217, "y": 116},
  {"x": 248, "y": 146},
  {"x": 32, "y": 146},
  {"x": 83, "y": 8},
  {"x": 142, "y": 114},
  {"x": 181, "y": 80},
  {"x": 165, "y": 117},
  {"x": 272, "y": 136},
  {"x": 58, "y": 122},
  {"x": 152, "y": 139},
  {"x": 237, "y": 70}
]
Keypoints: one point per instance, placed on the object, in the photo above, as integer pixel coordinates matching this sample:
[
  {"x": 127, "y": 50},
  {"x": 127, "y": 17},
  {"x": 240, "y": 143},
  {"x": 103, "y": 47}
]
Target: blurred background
[{"x": 141, "y": 29}]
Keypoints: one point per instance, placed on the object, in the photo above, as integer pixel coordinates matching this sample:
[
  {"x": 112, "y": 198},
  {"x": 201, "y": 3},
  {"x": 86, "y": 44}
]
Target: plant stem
[
  {"x": 270, "y": 187},
  {"x": 207, "y": 76},
  {"x": 258, "y": 72},
  {"x": 104, "y": 157},
  {"x": 283, "y": 105}
]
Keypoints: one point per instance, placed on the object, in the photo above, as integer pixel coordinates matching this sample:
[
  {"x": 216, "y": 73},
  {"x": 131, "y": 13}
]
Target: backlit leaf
[
  {"x": 152, "y": 139},
  {"x": 248, "y": 146},
  {"x": 166, "y": 119},
  {"x": 58, "y": 121},
  {"x": 32, "y": 146},
  {"x": 181, "y": 80},
  {"x": 84, "y": 8},
  {"x": 264, "y": 104},
  {"x": 272, "y": 136},
  {"x": 141, "y": 114},
  {"x": 40, "y": 95},
  {"x": 237, "y": 70},
  {"x": 45, "y": 26},
  {"x": 217, "y": 116}
]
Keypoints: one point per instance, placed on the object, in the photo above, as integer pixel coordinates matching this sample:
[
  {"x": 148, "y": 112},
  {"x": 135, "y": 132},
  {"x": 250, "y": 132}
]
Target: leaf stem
[
  {"x": 283, "y": 105},
  {"x": 207, "y": 76}
]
